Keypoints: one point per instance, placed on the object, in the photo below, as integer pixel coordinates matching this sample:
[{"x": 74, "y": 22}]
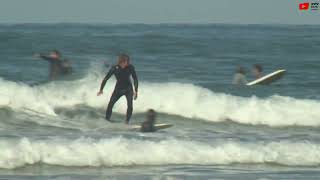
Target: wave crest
[
  {"x": 128, "y": 152},
  {"x": 185, "y": 100}
]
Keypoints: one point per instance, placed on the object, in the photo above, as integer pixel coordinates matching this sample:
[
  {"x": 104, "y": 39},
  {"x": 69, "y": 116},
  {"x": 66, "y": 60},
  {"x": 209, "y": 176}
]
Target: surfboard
[
  {"x": 156, "y": 126},
  {"x": 269, "y": 78}
]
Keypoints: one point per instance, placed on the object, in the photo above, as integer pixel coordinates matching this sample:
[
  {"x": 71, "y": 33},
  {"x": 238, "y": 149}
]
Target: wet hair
[
  {"x": 258, "y": 67},
  {"x": 151, "y": 115},
  {"x": 124, "y": 57},
  {"x": 241, "y": 70},
  {"x": 56, "y": 52}
]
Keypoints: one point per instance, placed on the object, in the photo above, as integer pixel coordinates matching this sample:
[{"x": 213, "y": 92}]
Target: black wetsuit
[
  {"x": 55, "y": 68},
  {"x": 148, "y": 126},
  {"x": 123, "y": 88}
]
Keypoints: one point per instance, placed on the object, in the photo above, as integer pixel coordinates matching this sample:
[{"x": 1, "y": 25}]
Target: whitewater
[
  {"x": 130, "y": 152},
  {"x": 201, "y": 103}
]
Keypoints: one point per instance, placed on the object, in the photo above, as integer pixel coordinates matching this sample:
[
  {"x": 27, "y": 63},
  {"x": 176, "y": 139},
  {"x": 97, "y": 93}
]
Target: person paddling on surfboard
[
  {"x": 148, "y": 124},
  {"x": 122, "y": 71},
  {"x": 257, "y": 71}
]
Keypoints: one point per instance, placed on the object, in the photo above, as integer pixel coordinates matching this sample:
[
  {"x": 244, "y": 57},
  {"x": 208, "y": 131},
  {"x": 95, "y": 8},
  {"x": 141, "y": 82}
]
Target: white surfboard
[
  {"x": 269, "y": 78},
  {"x": 156, "y": 126}
]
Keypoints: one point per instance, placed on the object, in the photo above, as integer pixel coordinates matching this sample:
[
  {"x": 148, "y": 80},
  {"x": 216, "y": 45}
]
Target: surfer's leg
[
  {"x": 129, "y": 97},
  {"x": 114, "y": 98}
]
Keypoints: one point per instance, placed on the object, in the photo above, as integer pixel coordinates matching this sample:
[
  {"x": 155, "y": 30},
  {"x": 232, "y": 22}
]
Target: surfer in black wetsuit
[
  {"x": 148, "y": 124},
  {"x": 123, "y": 71},
  {"x": 57, "y": 66}
]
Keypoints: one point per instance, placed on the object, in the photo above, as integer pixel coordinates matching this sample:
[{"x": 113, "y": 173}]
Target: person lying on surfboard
[
  {"x": 257, "y": 71},
  {"x": 148, "y": 124},
  {"x": 122, "y": 71}
]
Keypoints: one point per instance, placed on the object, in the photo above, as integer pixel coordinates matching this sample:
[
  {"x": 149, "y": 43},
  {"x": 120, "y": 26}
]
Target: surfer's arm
[
  {"x": 135, "y": 79},
  {"x": 44, "y": 57},
  {"x": 106, "y": 78}
]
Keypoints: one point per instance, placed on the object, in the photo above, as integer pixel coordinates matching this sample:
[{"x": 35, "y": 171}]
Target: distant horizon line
[{"x": 132, "y": 23}]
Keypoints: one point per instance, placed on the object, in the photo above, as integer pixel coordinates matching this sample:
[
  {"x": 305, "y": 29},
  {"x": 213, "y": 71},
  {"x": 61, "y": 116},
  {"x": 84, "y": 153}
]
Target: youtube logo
[{"x": 304, "y": 6}]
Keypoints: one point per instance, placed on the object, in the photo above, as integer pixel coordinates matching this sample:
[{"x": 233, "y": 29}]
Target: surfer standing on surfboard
[{"x": 122, "y": 71}]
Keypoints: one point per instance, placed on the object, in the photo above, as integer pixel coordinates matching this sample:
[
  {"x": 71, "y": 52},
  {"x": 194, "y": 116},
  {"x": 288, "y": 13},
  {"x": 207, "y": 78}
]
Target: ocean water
[{"x": 56, "y": 130}]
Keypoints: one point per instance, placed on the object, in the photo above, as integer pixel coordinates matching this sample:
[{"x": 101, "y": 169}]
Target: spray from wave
[
  {"x": 186, "y": 100},
  {"x": 128, "y": 152}
]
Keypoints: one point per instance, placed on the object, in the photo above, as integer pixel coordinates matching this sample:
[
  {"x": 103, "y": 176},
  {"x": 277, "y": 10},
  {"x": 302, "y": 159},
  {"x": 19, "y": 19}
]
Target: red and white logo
[{"x": 304, "y": 6}]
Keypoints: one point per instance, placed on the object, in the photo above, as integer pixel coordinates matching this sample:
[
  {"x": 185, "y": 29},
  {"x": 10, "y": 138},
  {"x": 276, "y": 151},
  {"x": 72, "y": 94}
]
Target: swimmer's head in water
[
  {"x": 151, "y": 115},
  {"x": 257, "y": 70},
  {"x": 123, "y": 60},
  {"x": 241, "y": 70},
  {"x": 55, "y": 54}
]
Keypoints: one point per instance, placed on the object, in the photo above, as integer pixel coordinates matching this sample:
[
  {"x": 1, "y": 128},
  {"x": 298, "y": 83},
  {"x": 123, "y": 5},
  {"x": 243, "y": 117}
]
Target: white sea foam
[
  {"x": 186, "y": 100},
  {"x": 128, "y": 152}
]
